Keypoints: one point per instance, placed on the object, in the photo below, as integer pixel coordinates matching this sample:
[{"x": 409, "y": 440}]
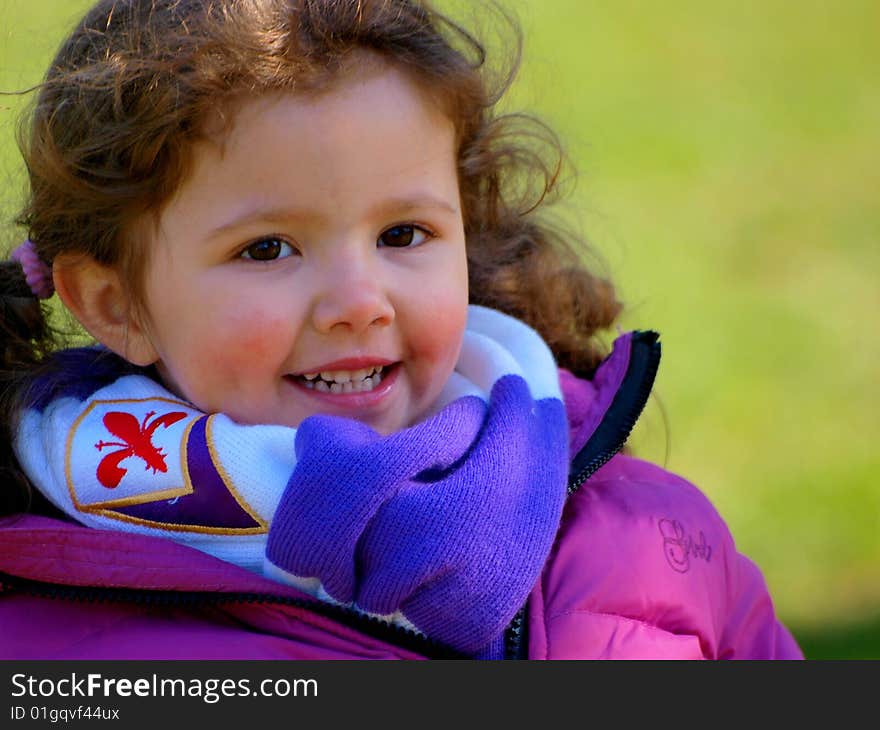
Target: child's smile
[
  {"x": 367, "y": 376},
  {"x": 365, "y": 383},
  {"x": 316, "y": 262}
]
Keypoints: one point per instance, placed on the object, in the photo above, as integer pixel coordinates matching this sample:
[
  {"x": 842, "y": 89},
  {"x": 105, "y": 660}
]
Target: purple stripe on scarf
[{"x": 210, "y": 505}]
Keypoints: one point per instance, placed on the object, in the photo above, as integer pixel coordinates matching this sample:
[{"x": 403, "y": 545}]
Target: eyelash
[{"x": 429, "y": 234}]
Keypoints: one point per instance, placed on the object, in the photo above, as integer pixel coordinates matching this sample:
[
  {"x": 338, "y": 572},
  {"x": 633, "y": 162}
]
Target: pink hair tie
[{"x": 37, "y": 272}]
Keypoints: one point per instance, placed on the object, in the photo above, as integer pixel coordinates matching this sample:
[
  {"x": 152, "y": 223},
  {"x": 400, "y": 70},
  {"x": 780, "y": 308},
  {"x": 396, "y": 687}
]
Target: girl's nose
[{"x": 353, "y": 297}]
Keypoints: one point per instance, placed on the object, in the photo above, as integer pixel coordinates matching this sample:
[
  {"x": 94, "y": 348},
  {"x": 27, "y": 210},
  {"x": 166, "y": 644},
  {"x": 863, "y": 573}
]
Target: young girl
[{"x": 346, "y": 398}]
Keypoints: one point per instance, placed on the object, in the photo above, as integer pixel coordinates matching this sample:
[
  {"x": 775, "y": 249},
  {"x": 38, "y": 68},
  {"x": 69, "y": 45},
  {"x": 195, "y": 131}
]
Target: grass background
[{"x": 730, "y": 179}]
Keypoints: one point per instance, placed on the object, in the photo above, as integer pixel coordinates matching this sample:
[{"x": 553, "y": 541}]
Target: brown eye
[
  {"x": 267, "y": 249},
  {"x": 403, "y": 236}
]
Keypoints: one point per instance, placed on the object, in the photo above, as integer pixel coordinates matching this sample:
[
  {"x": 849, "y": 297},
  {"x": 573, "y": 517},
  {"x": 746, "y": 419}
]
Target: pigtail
[{"x": 26, "y": 339}]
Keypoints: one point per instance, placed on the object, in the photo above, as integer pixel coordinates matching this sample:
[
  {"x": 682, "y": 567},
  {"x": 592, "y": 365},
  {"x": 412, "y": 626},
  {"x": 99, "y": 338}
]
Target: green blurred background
[{"x": 730, "y": 180}]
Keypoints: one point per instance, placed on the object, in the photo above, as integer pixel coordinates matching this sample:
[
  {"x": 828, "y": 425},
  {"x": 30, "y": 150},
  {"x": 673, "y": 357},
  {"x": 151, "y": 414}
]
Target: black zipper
[
  {"x": 626, "y": 407},
  {"x": 607, "y": 440}
]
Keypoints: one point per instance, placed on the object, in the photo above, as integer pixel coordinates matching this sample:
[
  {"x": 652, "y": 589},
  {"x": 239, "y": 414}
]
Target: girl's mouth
[
  {"x": 354, "y": 388},
  {"x": 344, "y": 381}
]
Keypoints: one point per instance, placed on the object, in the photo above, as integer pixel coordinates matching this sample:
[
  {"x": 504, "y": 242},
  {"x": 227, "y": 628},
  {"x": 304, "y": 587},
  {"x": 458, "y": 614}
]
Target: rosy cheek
[
  {"x": 439, "y": 344},
  {"x": 258, "y": 341},
  {"x": 241, "y": 344}
]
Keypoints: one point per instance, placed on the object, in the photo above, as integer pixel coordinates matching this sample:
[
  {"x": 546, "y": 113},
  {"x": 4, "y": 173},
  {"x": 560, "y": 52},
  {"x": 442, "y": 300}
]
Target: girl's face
[{"x": 322, "y": 240}]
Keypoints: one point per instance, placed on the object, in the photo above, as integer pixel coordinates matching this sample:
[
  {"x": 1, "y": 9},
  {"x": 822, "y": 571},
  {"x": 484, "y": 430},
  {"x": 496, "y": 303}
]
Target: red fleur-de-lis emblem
[{"x": 137, "y": 440}]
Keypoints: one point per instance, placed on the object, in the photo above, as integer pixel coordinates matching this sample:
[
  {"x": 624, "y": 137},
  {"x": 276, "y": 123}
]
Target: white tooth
[
  {"x": 310, "y": 376},
  {"x": 348, "y": 387},
  {"x": 336, "y": 387},
  {"x": 360, "y": 374},
  {"x": 336, "y": 376},
  {"x": 377, "y": 378},
  {"x": 322, "y": 386}
]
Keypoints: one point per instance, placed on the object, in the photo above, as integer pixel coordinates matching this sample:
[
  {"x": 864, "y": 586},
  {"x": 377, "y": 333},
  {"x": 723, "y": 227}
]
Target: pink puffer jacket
[{"x": 643, "y": 567}]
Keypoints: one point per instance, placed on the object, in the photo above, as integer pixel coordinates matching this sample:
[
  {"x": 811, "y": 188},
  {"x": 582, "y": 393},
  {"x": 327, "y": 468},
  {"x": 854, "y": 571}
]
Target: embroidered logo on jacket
[
  {"x": 152, "y": 462},
  {"x": 679, "y": 547}
]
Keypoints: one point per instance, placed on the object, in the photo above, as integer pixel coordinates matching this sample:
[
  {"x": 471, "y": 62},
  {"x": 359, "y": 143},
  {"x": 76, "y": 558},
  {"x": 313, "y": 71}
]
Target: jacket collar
[{"x": 603, "y": 410}]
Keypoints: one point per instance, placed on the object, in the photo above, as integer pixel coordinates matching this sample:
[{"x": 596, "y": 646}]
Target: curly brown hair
[{"x": 109, "y": 140}]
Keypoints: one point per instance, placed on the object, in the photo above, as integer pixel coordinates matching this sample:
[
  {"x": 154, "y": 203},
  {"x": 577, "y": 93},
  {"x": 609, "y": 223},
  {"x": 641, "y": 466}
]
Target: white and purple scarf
[{"x": 443, "y": 526}]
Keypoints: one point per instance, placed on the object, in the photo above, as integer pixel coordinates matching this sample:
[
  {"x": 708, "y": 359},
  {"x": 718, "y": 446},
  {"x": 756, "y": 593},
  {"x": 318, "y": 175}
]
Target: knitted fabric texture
[{"x": 443, "y": 526}]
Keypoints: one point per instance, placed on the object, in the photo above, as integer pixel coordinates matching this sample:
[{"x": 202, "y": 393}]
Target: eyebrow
[{"x": 285, "y": 214}]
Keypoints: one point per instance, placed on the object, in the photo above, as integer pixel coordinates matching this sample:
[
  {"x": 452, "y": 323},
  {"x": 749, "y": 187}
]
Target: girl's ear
[{"x": 95, "y": 295}]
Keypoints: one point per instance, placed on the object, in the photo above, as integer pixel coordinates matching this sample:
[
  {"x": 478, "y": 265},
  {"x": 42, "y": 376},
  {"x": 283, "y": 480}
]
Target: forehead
[
  {"x": 381, "y": 106},
  {"x": 335, "y": 88},
  {"x": 373, "y": 135}
]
